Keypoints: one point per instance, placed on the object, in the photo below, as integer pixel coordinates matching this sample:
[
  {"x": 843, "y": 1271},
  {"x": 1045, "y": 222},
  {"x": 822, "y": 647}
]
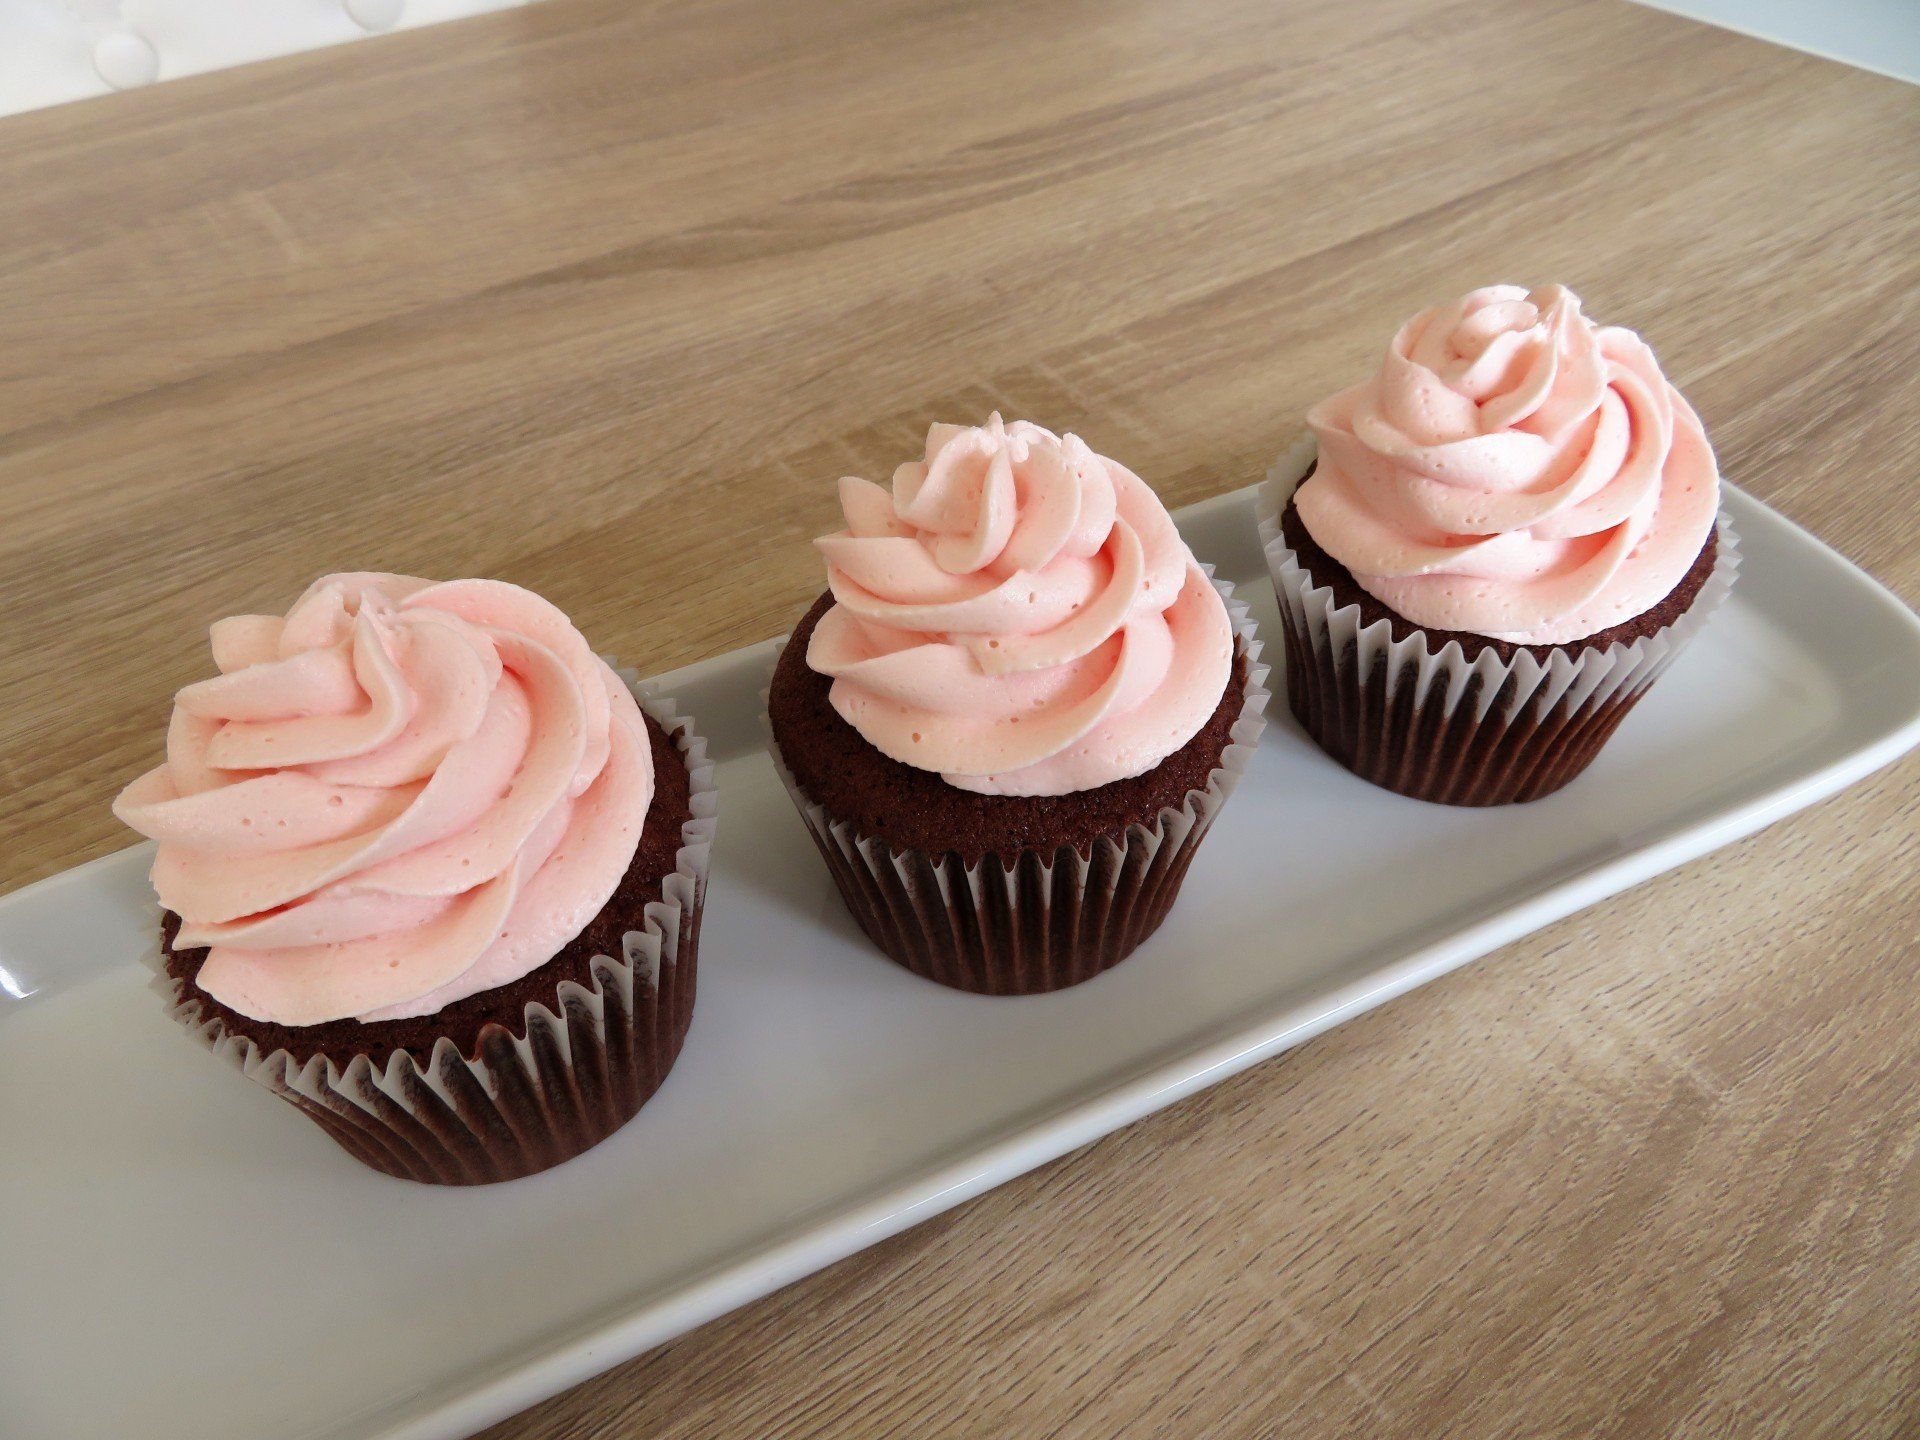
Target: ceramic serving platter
[{"x": 185, "y": 1257}]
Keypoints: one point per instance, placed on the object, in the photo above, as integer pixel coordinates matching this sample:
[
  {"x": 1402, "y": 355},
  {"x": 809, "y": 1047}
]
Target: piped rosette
[
  {"x": 400, "y": 794},
  {"x": 1019, "y": 615},
  {"x": 1512, "y": 470}
]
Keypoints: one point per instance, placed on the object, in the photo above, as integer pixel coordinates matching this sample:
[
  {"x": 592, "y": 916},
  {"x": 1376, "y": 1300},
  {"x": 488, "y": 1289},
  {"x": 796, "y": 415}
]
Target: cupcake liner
[
  {"x": 1441, "y": 727},
  {"x": 1045, "y": 921},
  {"x": 587, "y": 1061}
]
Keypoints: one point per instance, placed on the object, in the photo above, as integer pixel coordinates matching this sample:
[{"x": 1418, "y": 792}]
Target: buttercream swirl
[
  {"x": 1512, "y": 470},
  {"x": 1018, "y": 615},
  {"x": 400, "y": 794}
]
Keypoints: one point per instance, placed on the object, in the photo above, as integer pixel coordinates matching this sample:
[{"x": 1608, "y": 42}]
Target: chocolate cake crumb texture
[
  {"x": 913, "y": 809},
  {"x": 465, "y": 1021}
]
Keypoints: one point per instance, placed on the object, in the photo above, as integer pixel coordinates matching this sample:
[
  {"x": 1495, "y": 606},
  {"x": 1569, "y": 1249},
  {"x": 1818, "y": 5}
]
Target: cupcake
[
  {"x": 1505, "y": 536},
  {"x": 431, "y": 872},
  {"x": 1013, "y": 716}
]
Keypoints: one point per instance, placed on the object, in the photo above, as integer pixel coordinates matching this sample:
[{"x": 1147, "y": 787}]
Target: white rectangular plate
[{"x": 187, "y": 1258}]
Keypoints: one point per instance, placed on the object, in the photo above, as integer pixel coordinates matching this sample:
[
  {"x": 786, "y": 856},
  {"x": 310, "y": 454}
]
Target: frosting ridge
[
  {"x": 1018, "y": 615},
  {"x": 399, "y": 794},
  {"x": 1512, "y": 470}
]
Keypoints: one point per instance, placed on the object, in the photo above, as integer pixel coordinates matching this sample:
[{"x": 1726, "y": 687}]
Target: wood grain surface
[{"x": 601, "y": 297}]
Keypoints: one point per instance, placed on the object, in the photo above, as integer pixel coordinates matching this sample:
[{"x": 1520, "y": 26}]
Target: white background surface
[
  {"x": 190, "y": 1260},
  {"x": 1879, "y": 35},
  {"x": 47, "y": 46},
  {"x": 52, "y": 51}
]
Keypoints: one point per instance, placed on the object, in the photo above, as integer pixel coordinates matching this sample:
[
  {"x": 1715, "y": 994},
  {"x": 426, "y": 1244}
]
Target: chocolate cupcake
[
  {"x": 1492, "y": 548},
  {"x": 1014, "y": 715},
  {"x": 432, "y": 872}
]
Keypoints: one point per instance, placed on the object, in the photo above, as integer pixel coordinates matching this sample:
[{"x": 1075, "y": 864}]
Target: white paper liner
[
  {"x": 1045, "y": 921},
  {"x": 1437, "y": 725},
  {"x": 581, "y": 1069}
]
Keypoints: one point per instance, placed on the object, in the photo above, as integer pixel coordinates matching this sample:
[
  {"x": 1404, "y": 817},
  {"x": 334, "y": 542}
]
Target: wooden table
[{"x": 601, "y": 297}]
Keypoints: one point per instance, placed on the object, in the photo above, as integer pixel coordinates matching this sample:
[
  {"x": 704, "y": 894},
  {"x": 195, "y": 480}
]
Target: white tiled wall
[{"x": 52, "y": 51}]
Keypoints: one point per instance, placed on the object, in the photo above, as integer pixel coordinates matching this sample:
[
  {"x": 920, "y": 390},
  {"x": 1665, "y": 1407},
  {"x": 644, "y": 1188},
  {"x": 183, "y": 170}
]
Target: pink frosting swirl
[
  {"x": 1513, "y": 470},
  {"x": 401, "y": 794},
  {"x": 1018, "y": 615}
]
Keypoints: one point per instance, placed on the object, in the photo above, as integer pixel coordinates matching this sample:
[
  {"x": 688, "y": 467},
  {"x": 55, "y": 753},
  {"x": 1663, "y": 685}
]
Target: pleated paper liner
[
  {"x": 1047, "y": 920},
  {"x": 1440, "y": 727},
  {"x": 586, "y": 1063}
]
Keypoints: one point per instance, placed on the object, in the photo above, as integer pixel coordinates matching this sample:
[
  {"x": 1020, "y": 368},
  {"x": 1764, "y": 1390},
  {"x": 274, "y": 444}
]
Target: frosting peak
[
  {"x": 1019, "y": 615},
  {"x": 397, "y": 795},
  {"x": 1512, "y": 470}
]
